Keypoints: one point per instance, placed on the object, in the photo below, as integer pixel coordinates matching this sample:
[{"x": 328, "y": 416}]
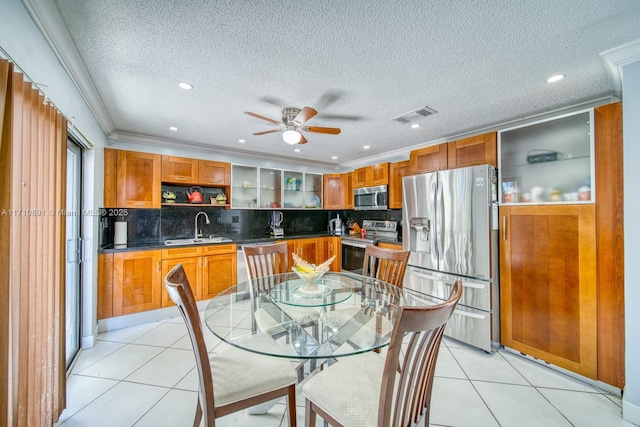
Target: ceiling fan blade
[
  {"x": 268, "y": 131},
  {"x": 273, "y": 101},
  {"x": 303, "y": 140},
  {"x": 328, "y": 98},
  {"x": 275, "y": 122},
  {"x": 350, "y": 117},
  {"x": 317, "y": 129},
  {"x": 305, "y": 114}
]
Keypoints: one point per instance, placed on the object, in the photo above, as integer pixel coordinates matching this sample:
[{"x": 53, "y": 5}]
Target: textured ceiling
[{"x": 359, "y": 63}]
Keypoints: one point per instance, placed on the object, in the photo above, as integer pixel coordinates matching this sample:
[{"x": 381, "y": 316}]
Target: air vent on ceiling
[{"x": 414, "y": 115}]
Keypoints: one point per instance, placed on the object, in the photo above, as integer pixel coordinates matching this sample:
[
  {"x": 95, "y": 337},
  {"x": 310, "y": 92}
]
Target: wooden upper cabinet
[
  {"x": 348, "y": 189},
  {"x": 214, "y": 173},
  {"x": 371, "y": 175},
  {"x": 333, "y": 191},
  {"x": 428, "y": 159},
  {"x": 179, "y": 170},
  {"x": 138, "y": 180},
  {"x": 359, "y": 177},
  {"x": 110, "y": 178},
  {"x": 477, "y": 150},
  {"x": 378, "y": 174},
  {"x": 548, "y": 292},
  {"x": 396, "y": 172}
]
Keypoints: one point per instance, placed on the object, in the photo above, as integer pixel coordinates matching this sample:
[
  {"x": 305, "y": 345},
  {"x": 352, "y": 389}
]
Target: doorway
[{"x": 73, "y": 294}]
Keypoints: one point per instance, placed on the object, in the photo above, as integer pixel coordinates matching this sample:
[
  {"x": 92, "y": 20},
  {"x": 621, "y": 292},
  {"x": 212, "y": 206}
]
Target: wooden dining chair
[
  {"x": 384, "y": 264},
  {"x": 232, "y": 379},
  {"x": 388, "y": 265},
  {"x": 263, "y": 262},
  {"x": 394, "y": 391}
]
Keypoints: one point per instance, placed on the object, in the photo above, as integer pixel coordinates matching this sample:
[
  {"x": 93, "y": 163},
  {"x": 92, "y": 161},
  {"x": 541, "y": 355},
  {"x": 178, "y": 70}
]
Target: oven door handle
[{"x": 355, "y": 244}]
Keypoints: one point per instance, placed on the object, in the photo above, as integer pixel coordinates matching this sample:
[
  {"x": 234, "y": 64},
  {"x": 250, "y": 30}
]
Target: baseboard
[
  {"x": 136, "y": 319},
  {"x": 90, "y": 340},
  {"x": 608, "y": 388},
  {"x": 630, "y": 412}
]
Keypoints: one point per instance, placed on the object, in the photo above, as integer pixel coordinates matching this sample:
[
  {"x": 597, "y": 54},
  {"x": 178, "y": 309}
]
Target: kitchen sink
[{"x": 198, "y": 241}]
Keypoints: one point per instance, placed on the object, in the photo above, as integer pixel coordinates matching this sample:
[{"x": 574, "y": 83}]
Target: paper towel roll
[{"x": 120, "y": 235}]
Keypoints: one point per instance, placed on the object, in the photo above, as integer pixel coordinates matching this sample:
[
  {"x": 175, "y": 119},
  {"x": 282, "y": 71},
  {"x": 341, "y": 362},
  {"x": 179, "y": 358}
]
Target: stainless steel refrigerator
[{"x": 450, "y": 225}]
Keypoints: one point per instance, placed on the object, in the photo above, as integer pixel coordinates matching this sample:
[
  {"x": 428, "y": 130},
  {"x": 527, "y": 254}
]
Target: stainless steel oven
[{"x": 352, "y": 249}]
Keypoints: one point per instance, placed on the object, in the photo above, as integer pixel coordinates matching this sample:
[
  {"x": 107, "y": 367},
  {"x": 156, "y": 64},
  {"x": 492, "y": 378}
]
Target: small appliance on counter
[
  {"x": 275, "y": 229},
  {"x": 335, "y": 226}
]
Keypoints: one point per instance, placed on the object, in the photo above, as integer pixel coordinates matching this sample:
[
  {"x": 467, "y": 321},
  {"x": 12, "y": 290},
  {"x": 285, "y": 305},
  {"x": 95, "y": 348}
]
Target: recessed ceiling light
[
  {"x": 241, "y": 141},
  {"x": 415, "y": 126},
  {"x": 297, "y": 150},
  {"x": 556, "y": 78},
  {"x": 173, "y": 128},
  {"x": 185, "y": 85},
  {"x": 366, "y": 147},
  {"x": 334, "y": 157}
]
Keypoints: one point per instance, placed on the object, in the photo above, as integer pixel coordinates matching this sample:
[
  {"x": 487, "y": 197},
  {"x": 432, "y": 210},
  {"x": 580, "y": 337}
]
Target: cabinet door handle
[
  {"x": 181, "y": 178},
  {"x": 158, "y": 266},
  {"x": 504, "y": 228},
  {"x": 139, "y": 203}
]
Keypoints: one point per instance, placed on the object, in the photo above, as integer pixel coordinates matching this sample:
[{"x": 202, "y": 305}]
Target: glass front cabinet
[
  {"x": 549, "y": 161},
  {"x": 264, "y": 188}
]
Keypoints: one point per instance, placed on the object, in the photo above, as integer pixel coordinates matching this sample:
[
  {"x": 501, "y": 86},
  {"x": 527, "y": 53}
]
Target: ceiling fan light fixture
[{"x": 291, "y": 137}]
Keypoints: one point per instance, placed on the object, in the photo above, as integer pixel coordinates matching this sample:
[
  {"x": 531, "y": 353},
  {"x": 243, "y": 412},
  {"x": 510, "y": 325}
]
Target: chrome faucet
[{"x": 196, "y": 223}]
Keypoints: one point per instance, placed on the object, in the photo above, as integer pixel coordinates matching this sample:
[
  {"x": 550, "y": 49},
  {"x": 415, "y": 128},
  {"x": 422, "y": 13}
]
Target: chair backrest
[
  {"x": 388, "y": 265},
  {"x": 265, "y": 260},
  {"x": 180, "y": 292},
  {"x": 405, "y": 395}
]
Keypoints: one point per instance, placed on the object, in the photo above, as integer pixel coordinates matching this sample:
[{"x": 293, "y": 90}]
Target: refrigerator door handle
[
  {"x": 434, "y": 229},
  {"x": 440, "y": 217},
  {"x": 465, "y": 284}
]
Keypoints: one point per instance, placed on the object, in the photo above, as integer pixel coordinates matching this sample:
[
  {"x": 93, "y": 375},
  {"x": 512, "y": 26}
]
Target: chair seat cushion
[
  {"x": 349, "y": 390},
  {"x": 259, "y": 373},
  {"x": 301, "y": 316}
]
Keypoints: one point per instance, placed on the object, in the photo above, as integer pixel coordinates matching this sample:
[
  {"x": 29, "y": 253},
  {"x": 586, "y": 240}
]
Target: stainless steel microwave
[{"x": 370, "y": 198}]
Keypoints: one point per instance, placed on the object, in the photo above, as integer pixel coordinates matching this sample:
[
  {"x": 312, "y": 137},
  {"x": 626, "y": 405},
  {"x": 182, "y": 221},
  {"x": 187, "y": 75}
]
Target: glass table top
[
  {"x": 330, "y": 291},
  {"x": 355, "y": 315}
]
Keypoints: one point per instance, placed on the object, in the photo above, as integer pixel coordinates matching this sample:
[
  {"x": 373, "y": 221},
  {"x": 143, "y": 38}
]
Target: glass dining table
[{"x": 347, "y": 315}]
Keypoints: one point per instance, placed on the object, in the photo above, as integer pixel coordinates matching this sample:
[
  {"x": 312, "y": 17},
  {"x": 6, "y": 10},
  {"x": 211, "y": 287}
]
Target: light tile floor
[{"x": 145, "y": 376}]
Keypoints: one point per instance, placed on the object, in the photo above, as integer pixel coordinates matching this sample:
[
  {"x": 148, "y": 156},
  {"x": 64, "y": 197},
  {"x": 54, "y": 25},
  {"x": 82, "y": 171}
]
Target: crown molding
[
  {"x": 233, "y": 155},
  {"x": 48, "y": 20},
  {"x": 618, "y": 57}
]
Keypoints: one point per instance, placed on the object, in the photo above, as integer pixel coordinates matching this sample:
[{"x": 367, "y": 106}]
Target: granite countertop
[{"x": 239, "y": 240}]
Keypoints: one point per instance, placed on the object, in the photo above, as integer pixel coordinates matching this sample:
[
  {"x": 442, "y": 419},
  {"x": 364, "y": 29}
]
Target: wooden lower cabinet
[
  {"x": 131, "y": 282},
  {"x": 105, "y": 286},
  {"x": 548, "y": 300},
  {"x": 136, "y": 279},
  {"x": 190, "y": 258},
  {"x": 218, "y": 273},
  {"x": 331, "y": 246},
  {"x": 394, "y": 246},
  {"x": 308, "y": 249}
]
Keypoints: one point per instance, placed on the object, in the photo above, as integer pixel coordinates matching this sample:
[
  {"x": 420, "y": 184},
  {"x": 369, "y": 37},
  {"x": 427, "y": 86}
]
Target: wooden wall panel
[{"x": 610, "y": 243}]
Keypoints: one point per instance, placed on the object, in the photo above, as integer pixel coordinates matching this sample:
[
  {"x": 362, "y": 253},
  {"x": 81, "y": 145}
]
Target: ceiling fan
[{"x": 292, "y": 123}]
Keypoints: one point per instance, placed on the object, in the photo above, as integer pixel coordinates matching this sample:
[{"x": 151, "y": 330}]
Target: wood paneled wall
[
  {"x": 32, "y": 236},
  {"x": 610, "y": 243}
]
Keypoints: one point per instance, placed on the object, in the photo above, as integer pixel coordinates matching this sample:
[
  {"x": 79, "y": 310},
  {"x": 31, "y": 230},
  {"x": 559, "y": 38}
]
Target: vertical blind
[{"x": 33, "y": 142}]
